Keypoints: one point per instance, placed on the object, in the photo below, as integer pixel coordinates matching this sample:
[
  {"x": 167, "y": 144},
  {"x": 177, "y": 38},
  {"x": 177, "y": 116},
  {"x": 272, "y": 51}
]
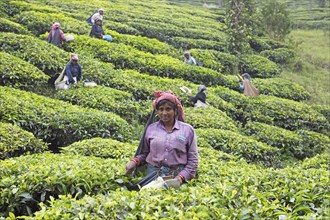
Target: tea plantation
[{"x": 63, "y": 153}]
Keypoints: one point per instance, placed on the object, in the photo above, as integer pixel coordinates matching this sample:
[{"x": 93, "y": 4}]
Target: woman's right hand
[{"x": 130, "y": 166}]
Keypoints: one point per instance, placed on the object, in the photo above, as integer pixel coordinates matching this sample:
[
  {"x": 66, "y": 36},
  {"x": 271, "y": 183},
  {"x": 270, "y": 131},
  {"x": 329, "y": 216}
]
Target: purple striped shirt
[{"x": 177, "y": 147}]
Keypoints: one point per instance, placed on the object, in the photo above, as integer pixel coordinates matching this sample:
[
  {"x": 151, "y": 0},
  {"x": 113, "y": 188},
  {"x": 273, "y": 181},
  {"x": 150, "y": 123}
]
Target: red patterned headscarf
[{"x": 168, "y": 95}]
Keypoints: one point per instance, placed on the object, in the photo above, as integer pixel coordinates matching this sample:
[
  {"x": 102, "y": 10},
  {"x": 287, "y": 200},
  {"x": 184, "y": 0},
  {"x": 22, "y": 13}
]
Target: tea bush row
[
  {"x": 58, "y": 122},
  {"x": 28, "y": 180},
  {"x": 34, "y": 51},
  {"x": 271, "y": 110},
  {"x": 17, "y": 73},
  {"x": 14, "y": 142},
  {"x": 299, "y": 144},
  {"x": 242, "y": 146},
  {"x": 37, "y": 53},
  {"x": 108, "y": 100},
  {"x": 10, "y": 26},
  {"x": 242, "y": 191}
]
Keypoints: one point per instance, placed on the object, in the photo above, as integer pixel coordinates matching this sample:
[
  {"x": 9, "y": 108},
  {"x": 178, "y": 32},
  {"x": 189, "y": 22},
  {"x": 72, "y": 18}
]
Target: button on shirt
[{"x": 177, "y": 147}]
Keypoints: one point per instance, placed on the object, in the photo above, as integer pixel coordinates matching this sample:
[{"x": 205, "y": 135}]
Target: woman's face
[{"x": 166, "y": 113}]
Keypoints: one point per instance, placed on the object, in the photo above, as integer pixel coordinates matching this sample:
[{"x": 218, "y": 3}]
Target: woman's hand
[
  {"x": 179, "y": 179},
  {"x": 130, "y": 166}
]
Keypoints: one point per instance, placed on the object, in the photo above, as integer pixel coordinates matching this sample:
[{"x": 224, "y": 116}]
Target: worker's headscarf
[
  {"x": 74, "y": 57},
  {"x": 202, "y": 88},
  {"x": 169, "y": 95},
  {"x": 246, "y": 76},
  {"x": 101, "y": 10},
  {"x": 187, "y": 53},
  {"x": 56, "y": 25}
]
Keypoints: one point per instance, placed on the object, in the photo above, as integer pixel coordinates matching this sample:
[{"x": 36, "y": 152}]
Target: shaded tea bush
[
  {"x": 299, "y": 144},
  {"x": 320, "y": 161},
  {"x": 123, "y": 56},
  {"x": 19, "y": 74},
  {"x": 107, "y": 100},
  {"x": 41, "y": 54},
  {"x": 39, "y": 22},
  {"x": 324, "y": 110},
  {"x": 283, "y": 113},
  {"x": 282, "y": 88},
  {"x": 260, "y": 67},
  {"x": 14, "y": 142},
  {"x": 209, "y": 118},
  {"x": 58, "y": 122},
  {"x": 10, "y": 26},
  {"x": 28, "y": 180},
  {"x": 100, "y": 147},
  {"x": 242, "y": 146},
  {"x": 281, "y": 55},
  {"x": 188, "y": 43},
  {"x": 218, "y": 61}
]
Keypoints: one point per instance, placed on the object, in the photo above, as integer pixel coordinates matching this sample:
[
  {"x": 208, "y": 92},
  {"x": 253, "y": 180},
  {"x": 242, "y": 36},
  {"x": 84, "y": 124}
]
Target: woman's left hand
[{"x": 178, "y": 178}]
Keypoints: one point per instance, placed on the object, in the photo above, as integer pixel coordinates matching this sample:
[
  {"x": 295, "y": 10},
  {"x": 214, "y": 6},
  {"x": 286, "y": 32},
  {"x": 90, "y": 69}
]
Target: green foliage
[
  {"x": 320, "y": 161},
  {"x": 15, "y": 142},
  {"x": 99, "y": 147},
  {"x": 218, "y": 61},
  {"x": 209, "y": 118},
  {"x": 242, "y": 146},
  {"x": 10, "y": 26},
  {"x": 41, "y": 54},
  {"x": 275, "y": 19},
  {"x": 28, "y": 180},
  {"x": 240, "y": 22},
  {"x": 153, "y": 46},
  {"x": 123, "y": 56},
  {"x": 187, "y": 43},
  {"x": 59, "y": 122},
  {"x": 299, "y": 144},
  {"x": 282, "y": 88},
  {"x": 17, "y": 73},
  {"x": 280, "y": 55},
  {"x": 39, "y": 22},
  {"x": 260, "y": 67},
  {"x": 324, "y": 110},
  {"x": 107, "y": 100},
  {"x": 283, "y": 113}
]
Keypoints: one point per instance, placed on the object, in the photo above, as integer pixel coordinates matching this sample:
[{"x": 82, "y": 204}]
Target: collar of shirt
[{"x": 175, "y": 126}]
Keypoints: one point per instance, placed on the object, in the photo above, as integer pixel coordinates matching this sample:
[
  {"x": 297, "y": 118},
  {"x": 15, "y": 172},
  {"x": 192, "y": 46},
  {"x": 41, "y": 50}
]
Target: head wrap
[
  {"x": 202, "y": 88},
  {"x": 246, "y": 76},
  {"x": 56, "y": 25},
  {"x": 74, "y": 56},
  {"x": 101, "y": 9},
  {"x": 187, "y": 53},
  {"x": 169, "y": 95}
]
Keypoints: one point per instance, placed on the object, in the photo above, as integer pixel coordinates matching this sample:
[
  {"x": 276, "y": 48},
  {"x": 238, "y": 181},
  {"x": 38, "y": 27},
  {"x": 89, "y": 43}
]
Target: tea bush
[
  {"x": 15, "y": 142},
  {"x": 299, "y": 144},
  {"x": 58, "y": 122},
  {"x": 10, "y": 26},
  {"x": 209, "y": 118},
  {"x": 242, "y": 146},
  {"x": 279, "y": 56},
  {"x": 100, "y": 147},
  {"x": 46, "y": 57},
  {"x": 260, "y": 67},
  {"x": 28, "y": 180},
  {"x": 39, "y": 22},
  {"x": 107, "y": 100},
  {"x": 17, "y": 73}
]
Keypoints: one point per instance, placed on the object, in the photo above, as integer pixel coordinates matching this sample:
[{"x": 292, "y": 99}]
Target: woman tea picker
[{"x": 170, "y": 145}]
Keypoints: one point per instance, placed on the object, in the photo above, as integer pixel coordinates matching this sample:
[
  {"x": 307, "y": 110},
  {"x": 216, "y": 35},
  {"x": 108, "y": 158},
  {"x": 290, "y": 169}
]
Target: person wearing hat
[
  {"x": 247, "y": 86},
  {"x": 73, "y": 72},
  {"x": 189, "y": 59},
  {"x": 97, "y": 29},
  {"x": 170, "y": 144},
  {"x": 199, "y": 99},
  {"x": 97, "y": 16},
  {"x": 55, "y": 35}
]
